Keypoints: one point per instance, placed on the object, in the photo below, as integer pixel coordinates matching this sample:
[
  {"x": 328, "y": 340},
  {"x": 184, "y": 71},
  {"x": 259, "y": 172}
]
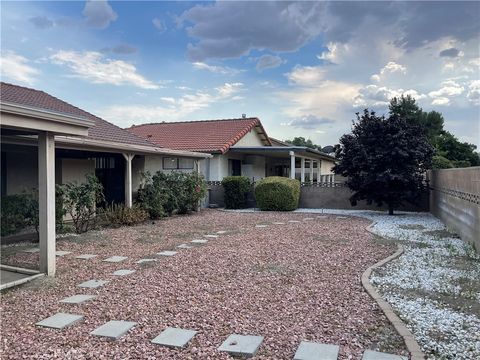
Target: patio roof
[{"x": 282, "y": 151}]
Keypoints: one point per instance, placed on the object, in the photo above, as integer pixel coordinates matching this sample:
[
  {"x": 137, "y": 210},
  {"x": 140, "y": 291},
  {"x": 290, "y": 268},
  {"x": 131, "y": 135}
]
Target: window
[{"x": 177, "y": 163}]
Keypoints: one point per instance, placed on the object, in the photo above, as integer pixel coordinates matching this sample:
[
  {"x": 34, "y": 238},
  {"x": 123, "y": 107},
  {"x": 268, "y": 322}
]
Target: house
[
  {"x": 45, "y": 140},
  {"x": 239, "y": 147}
]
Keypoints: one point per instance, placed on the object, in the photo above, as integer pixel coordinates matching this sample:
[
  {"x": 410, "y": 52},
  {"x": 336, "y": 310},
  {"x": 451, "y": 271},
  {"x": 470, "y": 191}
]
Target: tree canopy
[
  {"x": 301, "y": 141},
  {"x": 446, "y": 145},
  {"x": 384, "y": 160}
]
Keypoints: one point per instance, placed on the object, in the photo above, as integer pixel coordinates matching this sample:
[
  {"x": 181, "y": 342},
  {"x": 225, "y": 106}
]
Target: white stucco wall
[
  {"x": 22, "y": 172},
  {"x": 326, "y": 167},
  {"x": 218, "y": 167},
  {"x": 253, "y": 167},
  {"x": 74, "y": 170},
  {"x": 250, "y": 139}
]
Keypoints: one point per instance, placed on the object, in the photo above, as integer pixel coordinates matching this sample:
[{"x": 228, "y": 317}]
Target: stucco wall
[
  {"x": 22, "y": 172},
  {"x": 74, "y": 170},
  {"x": 253, "y": 167},
  {"x": 455, "y": 199},
  {"x": 326, "y": 167},
  {"x": 250, "y": 139}
]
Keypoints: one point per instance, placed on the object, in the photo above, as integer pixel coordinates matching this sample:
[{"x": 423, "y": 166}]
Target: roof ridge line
[{"x": 194, "y": 121}]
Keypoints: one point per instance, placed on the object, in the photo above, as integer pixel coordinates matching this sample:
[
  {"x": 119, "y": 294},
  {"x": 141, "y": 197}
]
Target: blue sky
[{"x": 304, "y": 68}]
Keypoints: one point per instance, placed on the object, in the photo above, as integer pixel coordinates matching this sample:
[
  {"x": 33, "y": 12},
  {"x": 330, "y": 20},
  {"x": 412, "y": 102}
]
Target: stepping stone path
[
  {"x": 322, "y": 217},
  {"x": 60, "y": 320},
  {"x": 184, "y": 246},
  {"x": 92, "y": 284},
  {"x": 199, "y": 241},
  {"x": 141, "y": 261},
  {"x": 62, "y": 253},
  {"x": 167, "y": 253},
  {"x": 241, "y": 345},
  {"x": 375, "y": 355},
  {"x": 342, "y": 217},
  {"x": 308, "y": 219},
  {"x": 221, "y": 232},
  {"x": 294, "y": 221},
  {"x": 316, "y": 351},
  {"x": 261, "y": 226},
  {"x": 174, "y": 337},
  {"x": 85, "y": 256},
  {"x": 123, "y": 272},
  {"x": 211, "y": 236},
  {"x": 32, "y": 250},
  {"x": 113, "y": 329},
  {"x": 279, "y": 223},
  {"x": 115, "y": 259},
  {"x": 77, "y": 299}
]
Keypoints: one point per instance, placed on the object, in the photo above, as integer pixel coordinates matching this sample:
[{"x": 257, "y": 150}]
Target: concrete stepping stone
[
  {"x": 32, "y": 250},
  {"x": 261, "y": 226},
  {"x": 199, "y": 241},
  {"x": 77, "y": 299},
  {"x": 174, "y": 337},
  {"x": 92, "y": 284},
  {"x": 308, "y": 219},
  {"x": 376, "y": 355},
  {"x": 294, "y": 221},
  {"x": 114, "y": 259},
  {"x": 322, "y": 217},
  {"x": 221, "y": 232},
  {"x": 211, "y": 236},
  {"x": 241, "y": 345},
  {"x": 316, "y": 351},
  {"x": 60, "y": 320},
  {"x": 184, "y": 246},
  {"x": 85, "y": 256},
  {"x": 167, "y": 253},
  {"x": 141, "y": 261},
  {"x": 62, "y": 253},
  {"x": 123, "y": 272},
  {"x": 342, "y": 217},
  {"x": 113, "y": 329},
  {"x": 278, "y": 223}
]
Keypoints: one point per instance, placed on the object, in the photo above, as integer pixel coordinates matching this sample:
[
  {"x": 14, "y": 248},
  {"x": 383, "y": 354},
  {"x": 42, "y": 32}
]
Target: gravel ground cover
[
  {"x": 434, "y": 286},
  {"x": 287, "y": 282}
]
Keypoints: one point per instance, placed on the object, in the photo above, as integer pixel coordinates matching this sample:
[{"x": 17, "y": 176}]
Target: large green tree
[
  {"x": 301, "y": 141},
  {"x": 384, "y": 160},
  {"x": 431, "y": 123}
]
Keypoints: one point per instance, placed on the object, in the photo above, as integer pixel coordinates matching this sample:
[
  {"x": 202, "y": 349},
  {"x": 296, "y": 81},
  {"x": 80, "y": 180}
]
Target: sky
[{"x": 303, "y": 68}]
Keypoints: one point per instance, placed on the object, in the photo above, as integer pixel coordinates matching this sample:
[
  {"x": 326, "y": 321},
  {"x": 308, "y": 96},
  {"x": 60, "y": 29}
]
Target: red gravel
[{"x": 288, "y": 283}]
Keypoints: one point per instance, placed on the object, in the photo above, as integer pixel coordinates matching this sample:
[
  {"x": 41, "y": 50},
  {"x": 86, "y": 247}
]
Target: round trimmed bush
[
  {"x": 236, "y": 189},
  {"x": 277, "y": 193}
]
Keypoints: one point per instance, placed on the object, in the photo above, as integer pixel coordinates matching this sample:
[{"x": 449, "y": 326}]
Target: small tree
[
  {"x": 384, "y": 160},
  {"x": 80, "y": 201}
]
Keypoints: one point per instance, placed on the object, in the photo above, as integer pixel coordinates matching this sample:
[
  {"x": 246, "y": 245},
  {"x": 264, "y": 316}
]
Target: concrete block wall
[{"x": 455, "y": 199}]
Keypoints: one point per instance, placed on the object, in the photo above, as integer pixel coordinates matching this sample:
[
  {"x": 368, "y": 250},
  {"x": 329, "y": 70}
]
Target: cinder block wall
[{"x": 455, "y": 199}]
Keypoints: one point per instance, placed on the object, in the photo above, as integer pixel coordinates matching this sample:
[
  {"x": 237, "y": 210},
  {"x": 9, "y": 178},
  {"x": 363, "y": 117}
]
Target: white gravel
[{"x": 425, "y": 285}]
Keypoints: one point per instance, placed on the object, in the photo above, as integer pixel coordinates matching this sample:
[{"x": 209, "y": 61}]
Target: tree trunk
[{"x": 390, "y": 209}]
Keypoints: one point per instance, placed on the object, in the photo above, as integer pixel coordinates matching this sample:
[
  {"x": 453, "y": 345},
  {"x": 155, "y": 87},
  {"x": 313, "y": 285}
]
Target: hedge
[
  {"x": 236, "y": 189},
  {"x": 277, "y": 193}
]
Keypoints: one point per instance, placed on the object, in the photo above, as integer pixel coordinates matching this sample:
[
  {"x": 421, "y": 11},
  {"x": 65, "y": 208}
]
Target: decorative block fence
[{"x": 455, "y": 199}]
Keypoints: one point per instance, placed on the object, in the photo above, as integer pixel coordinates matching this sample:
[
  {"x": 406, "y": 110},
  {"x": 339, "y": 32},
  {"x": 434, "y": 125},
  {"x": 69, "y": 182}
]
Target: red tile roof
[
  {"x": 208, "y": 136},
  {"x": 102, "y": 130}
]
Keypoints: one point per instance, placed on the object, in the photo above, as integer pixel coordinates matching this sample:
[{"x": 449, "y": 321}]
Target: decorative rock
[
  {"x": 113, "y": 329},
  {"x": 32, "y": 250},
  {"x": 316, "y": 351},
  {"x": 77, "y": 299},
  {"x": 167, "y": 253},
  {"x": 141, "y": 261},
  {"x": 85, "y": 256},
  {"x": 123, "y": 272},
  {"x": 174, "y": 337},
  {"x": 184, "y": 246},
  {"x": 93, "y": 284},
  {"x": 211, "y": 236},
  {"x": 241, "y": 345},
  {"x": 62, "y": 253},
  {"x": 60, "y": 320},
  {"x": 376, "y": 355},
  {"x": 115, "y": 259},
  {"x": 199, "y": 241}
]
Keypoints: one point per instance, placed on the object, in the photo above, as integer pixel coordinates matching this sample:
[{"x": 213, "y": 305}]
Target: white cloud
[
  {"x": 449, "y": 88},
  {"x": 93, "y": 67},
  {"x": 308, "y": 122},
  {"x": 15, "y": 68},
  {"x": 306, "y": 75},
  {"x": 159, "y": 24},
  {"x": 473, "y": 94},
  {"x": 98, "y": 13},
  {"x": 215, "y": 69},
  {"x": 391, "y": 68},
  {"x": 335, "y": 52},
  {"x": 177, "y": 108},
  {"x": 374, "y": 96},
  {"x": 268, "y": 62},
  {"x": 441, "y": 101}
]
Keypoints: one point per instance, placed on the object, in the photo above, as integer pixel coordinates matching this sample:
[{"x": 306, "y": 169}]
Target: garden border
[{"x": 412, "y": 345}]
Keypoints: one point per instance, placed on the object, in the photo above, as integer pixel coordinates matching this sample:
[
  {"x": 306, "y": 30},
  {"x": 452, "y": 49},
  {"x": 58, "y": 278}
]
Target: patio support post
[
  {"x": 311, "y": 171},
  {"x": 46, "y": 202},
  {"x": 292, "y": 165},
  {"x": 128, "y": 179},
  {"x": 302, "y": 170},
  {"x": 319, "y": 172}
]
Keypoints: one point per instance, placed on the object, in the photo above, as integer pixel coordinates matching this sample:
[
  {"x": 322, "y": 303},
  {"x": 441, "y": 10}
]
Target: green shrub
[
  {"x": 277, "y": 193},
  {"x": 236, "y": 189},
  {"x": 18, "y": 212},
  {"x": 119, "y": 214},
  {"x": 80, "y": 201},
  {"x": 461, "y": 163},
  {"x": 440, "y": 162},
  {"x": 174, "y": 193}
]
